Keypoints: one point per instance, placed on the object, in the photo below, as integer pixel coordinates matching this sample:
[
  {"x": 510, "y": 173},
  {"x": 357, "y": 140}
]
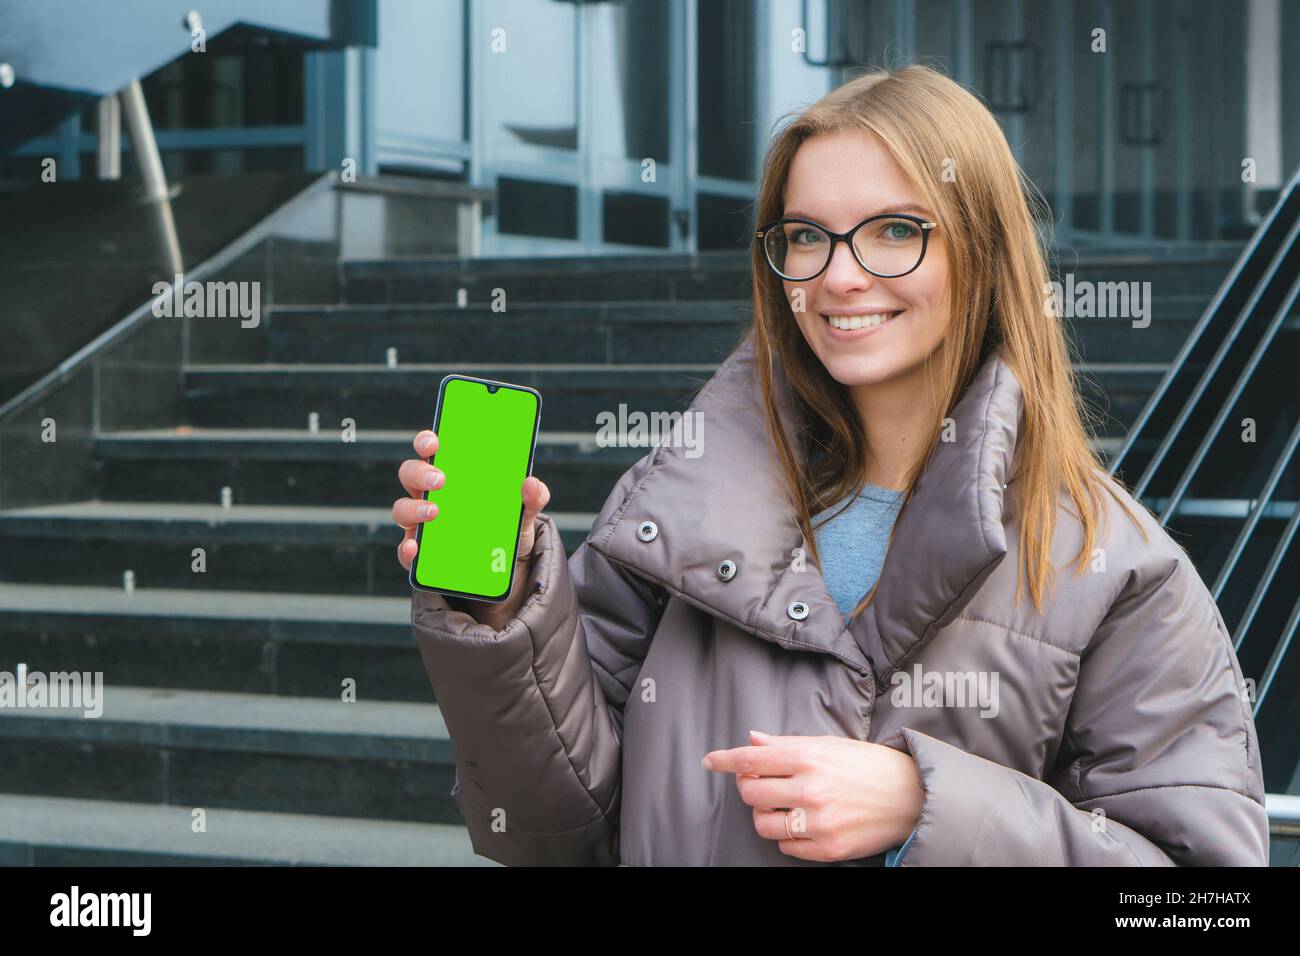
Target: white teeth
[{"x": 850, "y": 322}]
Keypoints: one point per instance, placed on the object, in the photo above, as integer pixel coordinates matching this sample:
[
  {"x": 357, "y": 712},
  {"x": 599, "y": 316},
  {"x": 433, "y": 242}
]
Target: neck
[{"x": 897, "y": 416}]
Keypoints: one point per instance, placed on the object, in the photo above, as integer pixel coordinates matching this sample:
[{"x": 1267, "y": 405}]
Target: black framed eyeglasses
[{"x": 887, "y": 246}]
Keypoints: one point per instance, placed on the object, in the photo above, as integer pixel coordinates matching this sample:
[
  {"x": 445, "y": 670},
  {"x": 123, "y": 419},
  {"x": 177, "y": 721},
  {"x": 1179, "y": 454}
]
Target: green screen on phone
[{"x": 485, "y": 448}]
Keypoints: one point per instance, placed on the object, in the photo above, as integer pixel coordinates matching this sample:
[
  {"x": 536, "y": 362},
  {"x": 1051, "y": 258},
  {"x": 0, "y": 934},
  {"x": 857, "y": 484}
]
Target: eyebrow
[{"x": 895, "y": 208}]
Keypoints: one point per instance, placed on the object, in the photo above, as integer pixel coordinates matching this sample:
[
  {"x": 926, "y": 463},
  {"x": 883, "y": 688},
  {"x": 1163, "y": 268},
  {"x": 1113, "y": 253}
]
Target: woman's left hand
[{"x": 847, "y": 798}]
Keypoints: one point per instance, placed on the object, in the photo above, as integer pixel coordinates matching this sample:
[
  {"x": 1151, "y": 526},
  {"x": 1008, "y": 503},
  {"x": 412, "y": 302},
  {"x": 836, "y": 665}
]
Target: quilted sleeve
[
  {"x": 1159, "y": 766},
  {"x": 534, "y": 710}
]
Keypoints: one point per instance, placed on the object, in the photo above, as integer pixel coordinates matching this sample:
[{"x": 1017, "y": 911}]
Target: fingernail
[
  {"x": 426, "y": 444},
  {"x": 427, "y": 510},
  {"x": 706, "y": 763},
  {"x": 759, "y": 733},
  {"x": 434, "y": 479}
]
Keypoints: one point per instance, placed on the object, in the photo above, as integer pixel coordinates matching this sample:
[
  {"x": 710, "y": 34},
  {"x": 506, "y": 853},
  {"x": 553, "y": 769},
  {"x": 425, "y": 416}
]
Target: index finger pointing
[{"x": 767, "y": 761}]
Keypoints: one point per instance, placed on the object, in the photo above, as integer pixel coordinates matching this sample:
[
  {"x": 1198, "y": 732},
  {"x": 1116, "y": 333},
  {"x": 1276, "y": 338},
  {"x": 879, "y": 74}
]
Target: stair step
[
  {"x": 55, "y": 831},
  {"x": 574, "y": 395},
  {"x": 290, "y": 466},
  {"x": 1186, "y": 276},
  {"x": 618, "y": 332},
  {"x": 375, "y": 396},
  {"x": 301, "y": 645},
  {"x": 710, "y": 275},
  {"x": 594, "y": 332},
  {"x": 184, "y": 442},
  {"x": 345, "y": 615},
  {"x": 247, "y": 547},
  {"x": 549, "y": 279},
  {"x": 371, "y": 759},
  {"x": 244, "y": 723},
  {"x": 711, "y": 260},
  {"x": 1118, "y": 391}
]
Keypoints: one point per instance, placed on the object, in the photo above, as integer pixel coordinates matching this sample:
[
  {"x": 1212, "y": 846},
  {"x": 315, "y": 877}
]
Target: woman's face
[{"x": 837, "y": 180}]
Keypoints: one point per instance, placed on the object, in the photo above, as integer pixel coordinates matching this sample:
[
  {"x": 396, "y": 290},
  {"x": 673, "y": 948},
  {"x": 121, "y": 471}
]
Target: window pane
[
  {"x": 530, "y": 208},
  {"x": 726, "y": 89},
  {"x": 724, "y": 221},
  {"x": 635, "y": 219},
  {"x": 631, "y": 56},
  {"x": 529, "y": 86}
]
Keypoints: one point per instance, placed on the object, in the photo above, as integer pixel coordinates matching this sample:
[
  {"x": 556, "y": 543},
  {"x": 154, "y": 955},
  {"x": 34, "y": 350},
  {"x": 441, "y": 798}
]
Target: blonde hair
[{"x": 997, "y": 282}]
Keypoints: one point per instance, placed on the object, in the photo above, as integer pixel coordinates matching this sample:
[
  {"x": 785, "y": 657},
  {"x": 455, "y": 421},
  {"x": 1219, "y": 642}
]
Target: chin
[{"x": 851, "y": 370}]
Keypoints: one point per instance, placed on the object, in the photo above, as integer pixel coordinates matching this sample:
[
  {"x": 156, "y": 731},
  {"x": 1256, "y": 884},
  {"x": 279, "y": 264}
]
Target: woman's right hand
[{"x": 417, "y": 477}]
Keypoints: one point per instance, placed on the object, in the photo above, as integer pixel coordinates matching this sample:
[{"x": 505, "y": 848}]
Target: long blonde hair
[{"x": 997, "y": 283}]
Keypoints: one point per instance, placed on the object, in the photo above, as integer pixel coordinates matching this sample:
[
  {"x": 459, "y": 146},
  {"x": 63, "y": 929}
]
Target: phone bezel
[{"x": 532, "y": 452}]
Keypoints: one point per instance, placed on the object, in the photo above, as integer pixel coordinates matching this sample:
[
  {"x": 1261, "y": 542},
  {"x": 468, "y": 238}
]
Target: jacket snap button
[
  {"x": 727, "y": 570},
  {"x": 797, "y": 610},
  {"x": 647, "y": 530}
]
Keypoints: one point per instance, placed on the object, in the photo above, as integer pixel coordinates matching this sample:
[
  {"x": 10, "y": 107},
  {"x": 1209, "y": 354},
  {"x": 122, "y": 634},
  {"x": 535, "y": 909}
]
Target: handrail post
[
  {"x": 143, "y": 143},
  {"x": 108, "y": 147},
  {"x": 145, "y": 149}
]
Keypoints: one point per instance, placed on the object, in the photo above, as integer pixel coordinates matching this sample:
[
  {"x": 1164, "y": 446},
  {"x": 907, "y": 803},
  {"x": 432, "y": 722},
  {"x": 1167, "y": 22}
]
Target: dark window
[
  {"x": 726, "y": 89},
  {"x": 635, "y": 219},
  {"x": 529, "y": 208},
  {"x": 258, "y": 85},
  {"x": 724, "y": 221}
]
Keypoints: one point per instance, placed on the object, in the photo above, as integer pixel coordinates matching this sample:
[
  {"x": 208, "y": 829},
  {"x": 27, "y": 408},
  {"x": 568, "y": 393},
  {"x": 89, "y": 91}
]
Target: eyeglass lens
[{"x": 888, "y": 247}]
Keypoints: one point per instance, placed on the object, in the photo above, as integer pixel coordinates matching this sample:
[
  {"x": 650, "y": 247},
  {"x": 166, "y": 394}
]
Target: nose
[{"x": 843, "y": 274}]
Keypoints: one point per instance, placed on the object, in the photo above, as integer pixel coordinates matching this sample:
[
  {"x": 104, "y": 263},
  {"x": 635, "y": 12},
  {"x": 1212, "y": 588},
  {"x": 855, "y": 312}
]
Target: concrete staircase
[{"x": 224, "y": 687}]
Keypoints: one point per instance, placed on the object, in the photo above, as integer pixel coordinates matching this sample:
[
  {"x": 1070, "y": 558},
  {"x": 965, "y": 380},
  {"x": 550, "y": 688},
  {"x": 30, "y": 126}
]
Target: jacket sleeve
[
  {"x": 535, "y": 710},
  {"x": 1159, "y": 764}
]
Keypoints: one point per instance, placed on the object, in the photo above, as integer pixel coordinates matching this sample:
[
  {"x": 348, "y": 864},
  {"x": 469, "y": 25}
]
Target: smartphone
[{"x": 487, "y": 435}]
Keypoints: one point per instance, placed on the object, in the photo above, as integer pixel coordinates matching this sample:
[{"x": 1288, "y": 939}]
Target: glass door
[
  {"x": 526, "y": 115},
  {"x": 1126, "y": 113},
  {"x": 632, "y": 82},
  {"x": 580, "y": 124},
  {"x": 1155, "y": 119}
]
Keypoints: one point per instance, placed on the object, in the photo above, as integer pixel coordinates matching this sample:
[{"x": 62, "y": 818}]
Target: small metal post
[{"x": 109, "y": 138}]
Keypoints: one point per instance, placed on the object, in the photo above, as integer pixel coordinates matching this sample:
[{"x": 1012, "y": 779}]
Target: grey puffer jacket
[{"x": 1118, "y": 733}]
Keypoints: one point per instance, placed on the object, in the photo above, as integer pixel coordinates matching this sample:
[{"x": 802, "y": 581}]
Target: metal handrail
[
  {"x": 1283, "y": 813},
  {"x": 1208, "y": 317},
  {"x": 1270, "y": 573},
  {"x": 1241, "y": 508},
  {"x": 143, "y": 312},
  {"x": 1279, "y": 653},
  {"x": 1213, "y": 366},
  {"x": 1229, "y": 403},
  {"x": 1257, "y": 511}
]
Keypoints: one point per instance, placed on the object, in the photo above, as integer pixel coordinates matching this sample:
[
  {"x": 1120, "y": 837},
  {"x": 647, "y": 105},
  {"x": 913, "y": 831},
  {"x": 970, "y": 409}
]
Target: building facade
[{"x": 639, "y": 125}]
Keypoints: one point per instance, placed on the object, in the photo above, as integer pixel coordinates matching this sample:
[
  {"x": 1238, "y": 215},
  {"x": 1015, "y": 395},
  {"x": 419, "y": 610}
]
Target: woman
[{"x": 1037, "y": 676}]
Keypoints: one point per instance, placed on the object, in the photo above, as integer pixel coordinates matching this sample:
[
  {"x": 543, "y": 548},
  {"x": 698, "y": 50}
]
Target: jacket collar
[{"x": 727, "y": 501}]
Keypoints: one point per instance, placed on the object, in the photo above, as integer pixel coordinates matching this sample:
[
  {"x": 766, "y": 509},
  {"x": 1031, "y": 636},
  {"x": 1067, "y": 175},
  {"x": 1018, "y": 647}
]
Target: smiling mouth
[{"x": 848, "y": 323}]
